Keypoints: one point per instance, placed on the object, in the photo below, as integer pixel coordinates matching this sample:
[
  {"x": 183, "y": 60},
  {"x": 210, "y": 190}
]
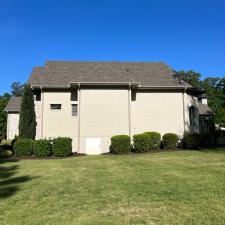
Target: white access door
[{"x": 93, "y": 146}]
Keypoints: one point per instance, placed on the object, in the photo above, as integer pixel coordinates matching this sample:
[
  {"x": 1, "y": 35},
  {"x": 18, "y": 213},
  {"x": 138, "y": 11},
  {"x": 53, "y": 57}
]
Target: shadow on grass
[{"x": 9, "y": 182}]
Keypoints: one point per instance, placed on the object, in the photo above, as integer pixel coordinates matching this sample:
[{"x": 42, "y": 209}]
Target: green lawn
[{"x": 183, "y": 187}]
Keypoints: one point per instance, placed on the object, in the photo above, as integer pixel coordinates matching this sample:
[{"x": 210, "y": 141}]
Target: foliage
[
  {"x": 3, "y": 115},
  {"x": 42, "y": 148},
  {"x": 206, "y": 140},
  {"x": 215, "y": 91},
  {"x": 141, "y": 142},
  {"x": 154, "y": 141},
  {"x": 17, "y": 89},
  {"x": 170, "y": 140},
  {"x": 6, "y": 153},
  {"x": 27, "y": 124},
  {"x": 62, "y": 146},
  {"x": 120, "y": 144},
  {"x": 23, "y": 147},
  {"x": 191, "y": 141}
]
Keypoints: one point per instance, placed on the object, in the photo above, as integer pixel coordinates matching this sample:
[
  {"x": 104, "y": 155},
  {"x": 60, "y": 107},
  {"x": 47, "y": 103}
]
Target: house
[{"x": 92, "y": 101}]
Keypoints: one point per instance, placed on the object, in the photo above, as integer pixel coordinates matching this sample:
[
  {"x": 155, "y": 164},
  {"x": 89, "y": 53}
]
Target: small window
[
  {"x": 56, "y": 106},
  {"x": 74, "y": 95},
  {"x": 74, "y": 109}
]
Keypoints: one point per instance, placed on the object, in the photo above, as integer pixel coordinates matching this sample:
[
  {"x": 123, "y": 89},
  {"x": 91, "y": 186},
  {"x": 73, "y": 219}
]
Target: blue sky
[{"x": 187, "y": 34}]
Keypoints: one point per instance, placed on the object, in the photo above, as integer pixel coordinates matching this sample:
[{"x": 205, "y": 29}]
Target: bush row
[
  {"x": 121, "y": 144},
  {"x": 60, "y": 147}
]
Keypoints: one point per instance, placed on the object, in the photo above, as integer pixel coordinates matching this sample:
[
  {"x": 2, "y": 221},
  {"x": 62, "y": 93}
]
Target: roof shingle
[{"x": 13, "y": 104}]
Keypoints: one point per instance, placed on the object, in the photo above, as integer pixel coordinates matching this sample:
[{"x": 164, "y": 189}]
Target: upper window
[
  {"x": 56, "y": 106},
  {"x": 74, "y": 95},
  {"x": 192, "y": 116}
]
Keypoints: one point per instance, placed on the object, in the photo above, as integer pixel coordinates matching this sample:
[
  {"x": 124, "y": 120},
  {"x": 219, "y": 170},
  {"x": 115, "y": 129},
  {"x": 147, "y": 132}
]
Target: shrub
[
  {"x": 141, "y": 142},
  {"x": 23, "y": 147},
  {"x": 206, "y": 140},
  {"x": 5, "y": 153},
  {"x": 8, "y": 144},
  {"x": 120, "y": 144},
  {"x": 62, "y": 146},
  {"x": 191, "y": 141},
  {"x": 42, "y": 148},
  {"x": 170, "y": 140},
  {"x": 154, "y": 141}
]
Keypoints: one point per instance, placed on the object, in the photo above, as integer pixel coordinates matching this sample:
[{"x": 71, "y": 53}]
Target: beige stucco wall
[
  {"x": 12, "y": 125},
  {"x": 59, "y": 123},
  {"x": 105, "y": 112}
]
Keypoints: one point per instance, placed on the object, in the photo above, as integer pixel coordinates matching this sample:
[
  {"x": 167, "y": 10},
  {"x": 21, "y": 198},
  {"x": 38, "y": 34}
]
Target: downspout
[
  {"x": 129, "y": 111},
  {"x": 183, "y": 99},
  {"x": 79, "y": 110},
  {"x": 42, "y": 112}
]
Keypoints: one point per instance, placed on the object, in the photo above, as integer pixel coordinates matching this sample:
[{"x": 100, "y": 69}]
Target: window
[
  {"x": 56, "y": 106},
  {"x": 74, "y": 95},
  {"x": 192, "y": 116},
  {"x": 74, "y": 109}
]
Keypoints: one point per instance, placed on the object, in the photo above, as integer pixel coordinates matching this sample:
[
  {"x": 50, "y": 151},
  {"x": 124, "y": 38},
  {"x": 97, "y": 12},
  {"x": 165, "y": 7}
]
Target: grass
[{"x": 183, "y": 187}]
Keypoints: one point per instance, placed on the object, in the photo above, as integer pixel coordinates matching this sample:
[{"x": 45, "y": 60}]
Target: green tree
[
  {"x": 3, "y": 115},
  {"x": 191, "y": 77},
  {"x": 27, "y": 124},
  {"x": 17, "y": 89}
]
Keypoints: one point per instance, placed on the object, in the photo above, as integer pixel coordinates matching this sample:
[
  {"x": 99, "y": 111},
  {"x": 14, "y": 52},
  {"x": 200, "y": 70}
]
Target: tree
[
  {"x": 215, "y": 91},
  {"x": 3, "y": 115},
  {"x": 27, "y": 124},
  {"x": 191, "y": 77},
  {"x": 17, "y": 89}
]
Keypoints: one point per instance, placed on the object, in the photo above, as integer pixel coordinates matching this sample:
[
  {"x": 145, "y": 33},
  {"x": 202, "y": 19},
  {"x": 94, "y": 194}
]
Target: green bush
[
  {"x": 8, "y": 144},
  {"x": 191, "y": 141},
  {"x": 206, "y": 140},
  {"x": 141, "y": 142},
  {"x": 154, "y": 141},
  {"x": 5, "y": 153},
  {"x": 170, "y": 140},
  {"x": 23, "y": 147},
  {"x": 120, "y": 144},
  {"x": 42, "y": 148},
  {"x": 62, "y": 146}
]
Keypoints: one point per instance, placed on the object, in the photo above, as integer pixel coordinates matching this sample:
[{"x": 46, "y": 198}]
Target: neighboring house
[{"x": 92, "y": 101}]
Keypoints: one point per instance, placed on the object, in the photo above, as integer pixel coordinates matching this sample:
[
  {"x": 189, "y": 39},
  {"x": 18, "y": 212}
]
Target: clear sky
[{"x": 187, "y": 34}]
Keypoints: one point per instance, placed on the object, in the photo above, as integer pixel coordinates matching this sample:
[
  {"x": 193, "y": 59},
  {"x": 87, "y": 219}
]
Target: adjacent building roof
[
  {"x": 62, "y": 73},
  {"x": 13, "y": 104},
  {"x": 203, "y": 109}
]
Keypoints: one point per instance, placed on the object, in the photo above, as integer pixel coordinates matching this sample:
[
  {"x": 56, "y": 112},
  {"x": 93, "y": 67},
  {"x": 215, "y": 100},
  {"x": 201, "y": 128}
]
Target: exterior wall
[
  {"x": 104, "y": 113},
  {"x": 155, "y": 111},
  {"x": 59, "y": 123},
  {"x": 38, "y": 112},
  {"x": 12, "y": 125}
]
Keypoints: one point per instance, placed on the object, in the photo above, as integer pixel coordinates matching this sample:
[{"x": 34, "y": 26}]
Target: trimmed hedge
[
  {"x": 42, "y": 148},
  {"x": 120, "y": 144},
  {"x": 154, "y": 141},
  {"x": 5, "y": 153},
  {"x": 23, "y": 147},
  {"x": 62, "y": 146},
  {"x": 170, "y": 140},
  {"x": 191, "y": 141},
  {"x": 141, "y": 142}
]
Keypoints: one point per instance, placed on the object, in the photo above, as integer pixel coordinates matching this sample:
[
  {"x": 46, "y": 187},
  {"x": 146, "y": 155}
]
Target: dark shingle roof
[
  {"x": 61, "y": 73},
  {"x": 203, "y": 109},
  {"x": 13, "y": 104}
]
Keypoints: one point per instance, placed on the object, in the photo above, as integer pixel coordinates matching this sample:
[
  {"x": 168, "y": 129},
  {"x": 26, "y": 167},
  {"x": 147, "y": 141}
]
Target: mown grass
[{"x": 183, "y": 187}]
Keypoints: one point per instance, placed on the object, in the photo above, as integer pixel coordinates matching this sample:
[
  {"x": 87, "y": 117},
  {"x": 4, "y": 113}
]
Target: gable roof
[
  {"x": 62, "y": 73},
  {"x": 13, "y": 104},
  {"x": 203, "y": 109}
]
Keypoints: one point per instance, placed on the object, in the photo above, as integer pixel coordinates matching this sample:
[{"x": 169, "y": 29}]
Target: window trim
[{"x": 74, "y": 112}]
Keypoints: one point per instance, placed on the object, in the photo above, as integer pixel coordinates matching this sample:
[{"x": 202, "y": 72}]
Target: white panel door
[{"x": 93, "y": 146}]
